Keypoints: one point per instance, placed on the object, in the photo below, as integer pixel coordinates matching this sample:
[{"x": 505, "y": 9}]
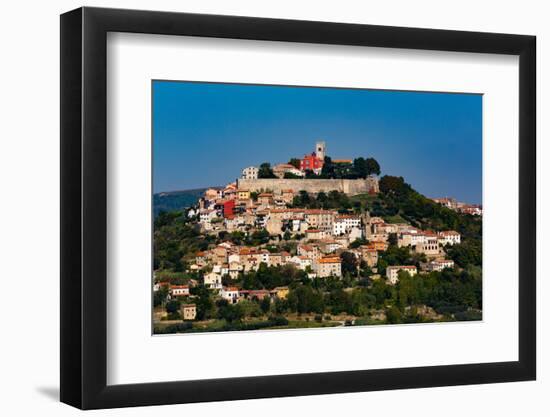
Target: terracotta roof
[
  {"x": 449, "y": 233},
  {"x": 318, "y": 211},
  {"x": 330, "y": 260},
  {"x": 402, "y": 267}
]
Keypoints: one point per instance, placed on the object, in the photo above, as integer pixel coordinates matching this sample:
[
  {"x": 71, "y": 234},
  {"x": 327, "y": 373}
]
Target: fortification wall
[{"x": 313, "y": 186}]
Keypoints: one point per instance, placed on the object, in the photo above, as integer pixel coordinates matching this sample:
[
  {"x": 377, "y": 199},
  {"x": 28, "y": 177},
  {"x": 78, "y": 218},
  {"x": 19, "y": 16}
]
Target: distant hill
[{"x": 176, "y": 200}]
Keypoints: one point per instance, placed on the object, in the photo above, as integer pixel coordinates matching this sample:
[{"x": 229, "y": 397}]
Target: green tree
[
  {"x": 160, "y": 296},
  {"x": 393, "y": 315},
  {"x": 173, "y": 306},
  {"x": 392, "y": 185},
  {"x": 265, "y": 171},
  {"x": 295, "y": 162},
  {"x": 265, "y": 304},
  {"x": 203, "y": 301},
  {"x": 327, "y": 171},
  {"x": 360, "y": 167},
  {"x": 372, "y": 166},
  {"x": 349, "y": 263}
]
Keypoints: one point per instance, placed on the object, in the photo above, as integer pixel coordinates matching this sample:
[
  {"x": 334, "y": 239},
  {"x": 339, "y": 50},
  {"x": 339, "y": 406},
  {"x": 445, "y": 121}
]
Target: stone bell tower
[{"x": 320, "y": 150}]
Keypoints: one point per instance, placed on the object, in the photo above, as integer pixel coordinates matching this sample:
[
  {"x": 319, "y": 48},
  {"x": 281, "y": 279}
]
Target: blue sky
[{"x": 205, "y": 133}]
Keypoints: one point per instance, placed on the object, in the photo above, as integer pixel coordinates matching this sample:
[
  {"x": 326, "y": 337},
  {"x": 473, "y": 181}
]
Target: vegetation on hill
[
  {"x": 359, "y": 168},
  {"x": 176, "y": 200},
  {"x": 366, "y": 297}
]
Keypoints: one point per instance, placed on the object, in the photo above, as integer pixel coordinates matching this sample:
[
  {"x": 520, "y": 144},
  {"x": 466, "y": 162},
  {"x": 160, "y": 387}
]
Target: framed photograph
[{"x": 259, "y": 208}]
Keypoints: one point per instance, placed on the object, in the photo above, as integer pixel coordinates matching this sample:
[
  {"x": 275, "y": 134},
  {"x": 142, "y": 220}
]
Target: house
[
  {"x": 471, "y": 209},
  {"x": 281, "y": 292},
  {"x": 329, "y": 245},
  {"x": 179, "y": 290},
  {"x": 392, "y": 272},
  {"x": 275, "y": 259},
  {"x": 243, "y": 194},
  {"x": 311, "y": 163},
  {"x": 448, "y": 202},
  {"x": 189, "y": 311},
  {"x": 301, "y": 262},
  {"x": 328, "y": 266},
  {"x": 355, "y": 233},
  {"x": 281, "y": 169},
  {"x": 254, "y": 294},
  {"x": 228, "y": 209},
  {"x": 287, "y": 196},
  {"x": 158, "y": 285},
  {"x": 274, "y": 226},
  {"x": 379, "y": 246},
  {"x": 342, "y": 224},
  {"x": 220, "y": 254},
  {"x": 265, "y": 199},
  {"x": 378, "y": 237},
  {"x": 440, "y": 265},
  {"x": 319, "y": 219},
  {"x": 250, "y": 173},
  {"x": 314, "y": 234},
  {"x": 369, "y": 255},
  {"x": 410, "y": 238},
  {"x": 309, "y": 251},
  {"x": 200, "y": 259},
  {"x": 231, "y": 294},
  {"x": 314, "y": 161},
  {"x": 429, "y": 246},
  {"x": 211, "y": 194},
  {"x": 235, "y": 268},
  {"x": 221, "y": 269},
  {"x": 207, "y": 215},
  {"x": 449, "y": 237},
  {"x": 213, "y": 281},
  {"x": 385, "y": 228}
]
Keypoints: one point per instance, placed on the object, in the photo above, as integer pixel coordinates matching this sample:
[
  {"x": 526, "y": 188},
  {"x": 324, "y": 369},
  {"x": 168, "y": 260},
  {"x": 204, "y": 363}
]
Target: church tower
[{"x": 320, "y": 150}]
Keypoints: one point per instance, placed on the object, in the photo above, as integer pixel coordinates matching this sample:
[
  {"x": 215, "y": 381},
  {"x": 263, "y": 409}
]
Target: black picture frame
[{"x": 84, "y": 207}]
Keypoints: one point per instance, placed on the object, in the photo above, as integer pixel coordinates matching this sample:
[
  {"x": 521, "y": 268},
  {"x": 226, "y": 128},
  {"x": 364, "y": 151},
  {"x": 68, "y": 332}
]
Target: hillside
[{"x": 175, "y": 200}]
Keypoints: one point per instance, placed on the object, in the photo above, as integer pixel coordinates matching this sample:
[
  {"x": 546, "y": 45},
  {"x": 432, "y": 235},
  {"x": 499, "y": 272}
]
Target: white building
[
  {"x": 235, "y": 268},
  {"x": 449, "y": 237},
  {"x": 440, "y": 265},
  {"x": 429, "y": 247},
  {"x": 392, "y": 272},
  {"x": 179, "y": 290},
  {"x": 231, "y": 294},
  {"x": 207, "y": 215},
  {"x": 213, "y": 281},
  {"x": 220, "y": 269},
  {"x": 410, "y": 238},
  {"x": 355, "y": 233},
  {"x": 344, "y": 223},
  {"x": 250, "y": 173},
  {"x": 301, "y": 262},
  {"x": 328, "y": 266}
]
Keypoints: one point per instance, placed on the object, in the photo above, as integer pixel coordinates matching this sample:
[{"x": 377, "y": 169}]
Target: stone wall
[{"x": 313, "y": 186}]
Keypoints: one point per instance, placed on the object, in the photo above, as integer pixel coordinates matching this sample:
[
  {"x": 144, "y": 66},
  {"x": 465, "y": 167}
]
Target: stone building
[
  {"x": 250, "y": 173},
  {"x": 189, "y": 311}
]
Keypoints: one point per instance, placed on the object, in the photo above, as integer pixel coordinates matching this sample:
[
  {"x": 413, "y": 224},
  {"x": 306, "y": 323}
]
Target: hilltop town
[{"x": 315, "y": 242}]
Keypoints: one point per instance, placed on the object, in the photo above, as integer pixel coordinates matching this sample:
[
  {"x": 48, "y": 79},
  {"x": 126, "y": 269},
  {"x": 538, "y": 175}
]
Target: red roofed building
[
  {"x": 228, "y": 208},
  {"x": 311, "y": 162}
]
